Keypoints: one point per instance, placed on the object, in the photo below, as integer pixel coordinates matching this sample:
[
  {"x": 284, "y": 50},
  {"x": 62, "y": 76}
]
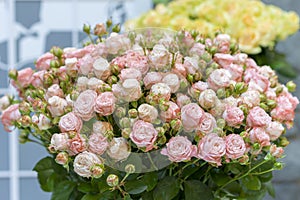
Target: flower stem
[{"x": 151, "y": 161}]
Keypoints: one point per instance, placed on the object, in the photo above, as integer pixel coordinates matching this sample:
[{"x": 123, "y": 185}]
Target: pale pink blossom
[
  {"x": 236, "y": 71},
  {"x": 78, "y": 53},
  {"x": 212, "y": 148},
  {"x": 218, "y": 110},
  {"x": 42, "y": 121},
  {"x": 143, "y": 135},
  {"x": 130, "y": 73},
  {"x": 84, "y": 162},
  {"x": 4, "y": 102},
  {"x": 231, "y": 101},
  {"x": 223, "y": 43},
  {"x": 105, "y": 103},
  {"x": 266, "y": 71},
  {"x": 171, "y": 113},
  {"x": 85, "y": 64},
  {"x": 251, "y": 98},
  {"x": 179, "y": 69},
  {"x": 191, "y": 115},
  {"x": 129, "y": 90},
  {"x": 54, "y": 90},
  {"x": 81, "y": 83},
  {"x": 101, "y": 127},
  {"x": 208, "y": 99},
  {"x": 59, "y": 142},
  {"x": 116, "y": 43},
  {"x": 99, "y": 50},
  {"x": 43, "y": 62},
  {"x": 219, "y": 78},
  {"x": 224, "y": 60},
  {"x": 197, "y": 88},
  {"x": 259, "y": 135},
  {"x": 271, "y": 94},
  {"x": 235, "y": 146},
  {"x": 24, "y": 78},
  {"x": 101, "y": 68},
  {"x": 197, "y": 49},
  {"x": 152, "y": 78},
  {"x": 9, "y": 115},
  {"x": 77, "y": 145},
  {"x": 191, "y": 64},
  {"x": 258, "y": 117},
  {"x": 274, "y": 129},
  {"x": 57, "y": 105},
  {"x": 240, "y": 58},
  {"x": 94, "y": 83},
  {"x": 118, "y": 149},
  {"x": 70, "y": 122},
  {"x": 233, "y": 116},
  {"x": 147, "y": 113},
  {"x": 71, "y": 64},
  {"x": 275, "y": 151},
  {"x": 97, "y": 143},
  {"x": 160, "y": 91},
  {"x": 85, "y": 104},
  {"x": 159, "y": 57},
  {"x": 207, "y": 124},
  {"x": 256, "y": 81},
  {"x": 182, "y": 100},
  {"x": 38, "y": 78},
  {"x": 179, "y": 149},
  {"x": 172, "y": 81}
]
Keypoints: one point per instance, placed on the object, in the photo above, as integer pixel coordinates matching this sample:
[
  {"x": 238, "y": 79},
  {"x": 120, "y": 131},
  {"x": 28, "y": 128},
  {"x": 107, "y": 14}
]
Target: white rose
[
  {"x": 59, "y": 141},
  {"x": 93, "y": 83},
  {"x": 84, "y": 162},
  {"x": 274, "y": 129},
  {"x": 208, "y": 99},
  {"x": 81, "y": 84},
  {"x": 147, "y": 113},
  {"x": 172, "y": 81},
  {"x": 118, "y": 149},
  {"x": 101, "y": 68},
  {"x": 57, "y": 106}
]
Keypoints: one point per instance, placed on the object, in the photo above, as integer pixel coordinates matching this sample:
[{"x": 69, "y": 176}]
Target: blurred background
[{"x": 29, "y": 28}]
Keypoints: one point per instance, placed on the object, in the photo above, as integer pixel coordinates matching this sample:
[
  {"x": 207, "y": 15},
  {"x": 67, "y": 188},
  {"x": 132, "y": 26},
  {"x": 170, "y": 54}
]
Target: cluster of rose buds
[{"x": 180, "y": 93}]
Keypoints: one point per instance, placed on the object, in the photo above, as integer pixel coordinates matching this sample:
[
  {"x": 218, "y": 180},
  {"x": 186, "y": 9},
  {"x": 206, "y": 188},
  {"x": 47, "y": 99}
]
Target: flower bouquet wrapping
[
  {"x": 152, "y": 114},
  {"x": 257, "y": 27}
]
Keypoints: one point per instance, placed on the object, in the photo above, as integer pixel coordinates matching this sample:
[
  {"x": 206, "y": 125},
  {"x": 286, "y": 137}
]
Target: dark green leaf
[
  {"x": 266, "y": 177},
  {"x": 147, "y": 196},
  {"x": 166, "y": 189},
  {"x": 251, "y": 182},
  {"x": 270, "y": 189},
  {"x": 233, "y": 188},
  {"x": 45, "y": 173},
  {"x": 127, "y": 197},
  {"x": 150, "y": 179},
  {"x": 91, "y": 197},
  {"x": 102, "y": 185},
  {"x": 189, "y": 170},
  {"x": 86, "y": 187},
  {"x": 193, "y": 189},
  {"x": 219, "y": 177},
  {"x": 43, "y": 164},
  {"x": 63, "y": 190},
  {"x": 135, "y": 187}
]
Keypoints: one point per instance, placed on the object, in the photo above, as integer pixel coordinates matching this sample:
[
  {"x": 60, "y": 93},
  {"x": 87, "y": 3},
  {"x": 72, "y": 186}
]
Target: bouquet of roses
[{"x": 152, "y": 114}]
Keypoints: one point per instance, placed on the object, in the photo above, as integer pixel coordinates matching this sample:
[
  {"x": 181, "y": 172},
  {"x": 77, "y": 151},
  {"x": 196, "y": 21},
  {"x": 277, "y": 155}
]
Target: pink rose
[
  {"x": 179, "y": 149},
  {"x": 197, "y": 88},
  {"x": 38, "y": 78},
  {"x": 191, "y": 115},
  {"x": 240, "y": 58},
  {"x": 256, "y": 81},
  {"x": 71, "y": 65},
  {"x": 211, "y": 148},
  {"x": 24, "y": 78},
  {"x": 118, "y": 149},
  {"x": 101, "y": 68},
  {"x": 223, "y": 59},
  {"x": 266, "y": 71},
  {"x": 258, "y": 117},
  {"x": 147, "y": 113},
  {"x": 97, "y": 143},
  {"x": 130, "y": 73},
  {"x": 85, "y": 104},
  {"x": 57, "y": 105},
  {"x": 172, "y": 81},
  {"x": 218, "y": 110},
  {"x": 207, "y": 124},
  {"x": 4, "y": 102},
  {"x": 182, "y": 100},
  {"x": 231, "y": 101},
  {"x": 208, "y": 99},
  {"x": 94, "y": 83},
  {"x": 105, "y": 103},
  {"x": 54, "y": 90},
  {"x": 41, "y": 121},
  {"x": 77, "y": 145},
  {"x": 43, "y": 62},
  {"x": 159, "y": 57},
  {"x": 219, "y": 78},
  {"x": 236, "y": 71},
  {"x": 99, "y": 50},
  {"x": 274, "y": 129},
  {"x": 197, "y": 49},
  {"x": 70, "y": 122},
  {"x": 275, "y": 151},
  {"x": 191, "y": 64},
  {"x": 116, "y": 43},
  {"x": 251, "y": 98},
  {"x": 235, "y": 146},
  {"x": 152, "y": 78},
  {"x": 59, "y": 142},
  {"x": 129, "y": 90},
  {"x": 223, "y": 43},
  {"x": 9, "y": 115},
  {"x": 84, "y": 162},
  {"x": 85, "y": 64},
  {"x": 179, "y": 69},
  {"x": 81, "y": 83},
  {"x": 233, "y": 116},
  {"x": 143, "y": 135},
  {"x": 78, "y": 53},
  {"x": 258, "y": 134},
  {"x": 160, "y": 91},
  {"x": 171, "y": 113}
]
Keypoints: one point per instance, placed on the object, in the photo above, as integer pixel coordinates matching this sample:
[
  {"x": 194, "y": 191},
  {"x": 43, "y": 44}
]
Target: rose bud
[
  {"x": 275, "y": 151},
  {"x": 112, "y": 180},
  {"x": 97, "y": 171},
  {"x": 291, "y": 86},
  {"x": 100, "y": 29},
  {"x": 62, "y": 158},
  {"x": 130, "y": 168}
]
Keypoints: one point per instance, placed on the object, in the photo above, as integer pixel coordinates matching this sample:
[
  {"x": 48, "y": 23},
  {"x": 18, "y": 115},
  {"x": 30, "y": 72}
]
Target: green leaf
[
  {"x": 86, "y": 187},
  {"x": 193, "y": 189},
  {"x": 147, "y": 196},
  {"x": 45, "y": 173},
  {"x": 270, "y": 189},
  {"x": 166, "y": 189},
  {"x": 150, "y": 179},
  {"x": 219, "y": 177},
  {"x": 233, "y": 188},
  {"x": 43, "y": 164},
  {"x": 63, "y": 190},
  {"x": 135, "y": 187},
  {"x": 266, "y": 177},
  {"x": 251, "y": 182},
  {"x": 91, "y": 197}
]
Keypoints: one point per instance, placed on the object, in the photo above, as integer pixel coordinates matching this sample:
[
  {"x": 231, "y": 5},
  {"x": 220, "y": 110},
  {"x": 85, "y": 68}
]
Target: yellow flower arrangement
[{"x": 251, "y": 23}]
